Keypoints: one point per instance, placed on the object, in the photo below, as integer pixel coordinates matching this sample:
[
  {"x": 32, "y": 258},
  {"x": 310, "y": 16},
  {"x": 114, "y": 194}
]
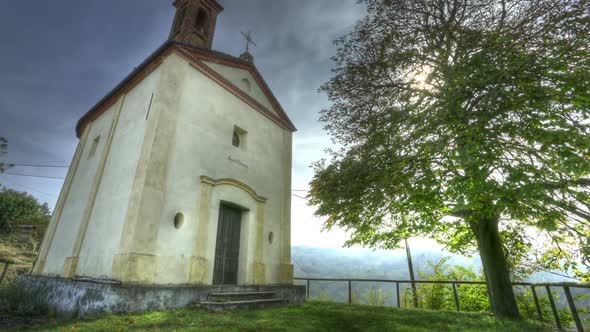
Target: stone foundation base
[{"x": 77, "y": 299}]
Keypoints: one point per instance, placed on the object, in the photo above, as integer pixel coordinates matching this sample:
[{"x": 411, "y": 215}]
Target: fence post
[
  {"x": 349, "y": 292},
  {"x": 537, "y": 302},
  {"x": 573, "y": 310},
  {"x": 456, "y": 296},
  {"x": 397, "y": 292},
  {"x": 553, "y": 308},
  {"x": 307, "y": 288},
  {"x": 4, "y": 271}
]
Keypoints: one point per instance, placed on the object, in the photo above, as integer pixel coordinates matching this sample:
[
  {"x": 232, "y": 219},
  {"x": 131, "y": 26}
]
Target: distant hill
[{"x": 355, "y": 263}]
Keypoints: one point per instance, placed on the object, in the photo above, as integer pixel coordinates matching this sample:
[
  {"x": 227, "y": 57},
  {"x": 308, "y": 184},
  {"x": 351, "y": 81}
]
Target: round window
[
  {"x": 246, "y": 84},
  {"x": 178, "y": 220}
]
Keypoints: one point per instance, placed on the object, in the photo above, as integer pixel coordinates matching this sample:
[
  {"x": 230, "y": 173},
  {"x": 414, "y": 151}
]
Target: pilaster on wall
[
  {"x": 71, "y": 263},
  {"x": 63, "y": 196},
  {"x": 259, "y": 268},
  {"x": 286, "y": 274},
  {"x": 259, "y": 273},
  {"x": 199, "y": 264},
  {"x": 136, "y": 260}
]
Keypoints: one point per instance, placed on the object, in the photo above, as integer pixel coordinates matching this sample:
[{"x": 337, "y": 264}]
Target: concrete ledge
[{"x": 77, "y": 299}]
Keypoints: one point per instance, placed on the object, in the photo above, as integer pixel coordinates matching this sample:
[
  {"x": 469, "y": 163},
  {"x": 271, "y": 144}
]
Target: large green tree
[
  {"x": 467, "y": 121},
  {"x": 21, "y": 208}
]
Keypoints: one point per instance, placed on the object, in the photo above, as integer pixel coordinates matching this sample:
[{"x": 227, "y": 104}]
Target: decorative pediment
[
  {"x": 243, "y": 80},
  {"x": 234, "y": 183}
]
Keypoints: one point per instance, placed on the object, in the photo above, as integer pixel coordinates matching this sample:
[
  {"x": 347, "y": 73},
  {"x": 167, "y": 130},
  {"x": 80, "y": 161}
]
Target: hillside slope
[{"x": 23, "y": 254}]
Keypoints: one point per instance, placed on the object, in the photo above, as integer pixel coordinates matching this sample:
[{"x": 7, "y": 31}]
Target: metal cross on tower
[{"x": 248, "y": 36}]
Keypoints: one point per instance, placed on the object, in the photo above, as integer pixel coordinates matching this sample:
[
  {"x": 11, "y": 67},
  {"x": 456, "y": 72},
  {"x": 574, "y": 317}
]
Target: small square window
[
  {"x": 239, "y": 137},
  {"x": 236, "y": 140},
  {"x": 94, "y": 146}
]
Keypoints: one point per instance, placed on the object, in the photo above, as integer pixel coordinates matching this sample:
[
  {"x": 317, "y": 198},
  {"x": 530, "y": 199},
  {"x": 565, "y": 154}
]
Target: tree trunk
[{"x": 493, "y": 259}]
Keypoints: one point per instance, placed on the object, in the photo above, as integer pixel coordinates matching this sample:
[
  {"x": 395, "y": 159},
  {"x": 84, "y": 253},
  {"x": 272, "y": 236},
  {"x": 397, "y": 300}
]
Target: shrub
[
  {"x": 324, "y": 296},
  {"x": 527, "y": 307},
  {"x": 475, "y": 297},
  {"x": 15, "y": 298},
  {"x": 376, "y": 296},
  {"x": 441, "y": 297}
]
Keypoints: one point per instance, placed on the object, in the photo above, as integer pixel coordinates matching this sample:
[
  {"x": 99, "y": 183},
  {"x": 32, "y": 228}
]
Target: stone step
[
  {"x": 240, "y": 296},
  {"x": 247, "y": 304}
]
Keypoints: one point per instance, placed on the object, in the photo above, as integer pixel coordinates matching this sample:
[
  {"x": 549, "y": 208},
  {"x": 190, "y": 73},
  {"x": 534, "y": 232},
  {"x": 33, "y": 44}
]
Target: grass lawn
[{"x": 314, "y": 316}]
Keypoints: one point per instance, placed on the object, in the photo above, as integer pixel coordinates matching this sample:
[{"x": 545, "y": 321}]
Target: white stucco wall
[
  {"x": 237, "y": 76},
  {"x": 103, "y": 236},
  {"x": 203, "y": 146},
  {"x": 199, "y": 145},
  {"x": 73, "y": 210}
]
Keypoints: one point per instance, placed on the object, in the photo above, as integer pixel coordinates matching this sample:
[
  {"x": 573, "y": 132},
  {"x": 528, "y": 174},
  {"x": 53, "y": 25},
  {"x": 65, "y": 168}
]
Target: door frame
[{"x": 242, "y": 210}]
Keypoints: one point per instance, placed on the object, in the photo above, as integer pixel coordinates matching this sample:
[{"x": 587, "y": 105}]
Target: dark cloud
[{"x": 60, "y": 57}]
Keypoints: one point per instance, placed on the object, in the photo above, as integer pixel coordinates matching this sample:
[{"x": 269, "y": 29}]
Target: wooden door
[{"x": 227, "y": 249}]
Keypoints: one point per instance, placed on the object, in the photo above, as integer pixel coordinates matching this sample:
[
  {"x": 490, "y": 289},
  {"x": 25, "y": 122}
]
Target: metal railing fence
[{"x": 454, "y": 283}]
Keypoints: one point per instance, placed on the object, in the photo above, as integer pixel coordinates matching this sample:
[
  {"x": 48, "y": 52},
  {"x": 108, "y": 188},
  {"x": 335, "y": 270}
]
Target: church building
[{"x": 182, "y": 174}]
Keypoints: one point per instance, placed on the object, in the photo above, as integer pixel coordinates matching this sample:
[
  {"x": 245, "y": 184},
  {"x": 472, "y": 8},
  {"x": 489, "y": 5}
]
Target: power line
[
  {"x": 299, "y": 197},
  {"x": 60, "y": 178},
  {"x": 64, "y": 166},
  {"x": 299, "y": 265},
  {"x": 12, "y": 184},
  {"x": 38, "y": 166},
  {"x": 34, "y": 176},
  {"x": 541, "y": 269}
]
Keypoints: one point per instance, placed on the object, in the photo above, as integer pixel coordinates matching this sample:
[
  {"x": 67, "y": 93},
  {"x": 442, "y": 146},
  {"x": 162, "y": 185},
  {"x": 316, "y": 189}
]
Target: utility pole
[{"x": 411, "y": 269}]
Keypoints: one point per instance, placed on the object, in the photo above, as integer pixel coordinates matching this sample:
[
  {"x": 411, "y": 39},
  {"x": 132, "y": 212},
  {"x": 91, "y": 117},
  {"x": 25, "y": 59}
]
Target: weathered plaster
[
  {"x": 118, "y": 219},
  {"x": 73, "y": 263},
  {"x": 140, "y": 235},
  {"x": 69, "y": 223},
  {"x": 77, "y": 299},
  {"x": 103, "y": 236},
  {"x": 50, "y": 233},
  {"x": 237, "y": 76}
]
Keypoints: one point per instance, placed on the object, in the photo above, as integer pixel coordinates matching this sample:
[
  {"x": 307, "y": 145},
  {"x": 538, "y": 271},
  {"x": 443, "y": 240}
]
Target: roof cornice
[{"x": 212, "y": 3}]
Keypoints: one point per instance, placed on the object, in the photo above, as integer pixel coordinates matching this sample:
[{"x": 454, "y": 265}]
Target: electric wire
[
  {"x": 33, "y": 176},
  {"x": 34, "y": 165}
]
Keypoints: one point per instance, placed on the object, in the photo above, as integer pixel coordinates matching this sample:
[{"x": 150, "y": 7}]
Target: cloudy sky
[{"x": 61, "y": 56}]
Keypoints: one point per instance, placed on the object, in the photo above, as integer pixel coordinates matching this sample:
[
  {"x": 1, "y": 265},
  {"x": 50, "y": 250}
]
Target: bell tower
[{"x": 195, "y": 21}]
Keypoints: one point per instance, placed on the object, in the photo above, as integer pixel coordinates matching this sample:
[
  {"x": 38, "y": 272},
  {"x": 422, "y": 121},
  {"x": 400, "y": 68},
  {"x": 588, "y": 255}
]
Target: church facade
[{"x": 182, "y": 175}]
